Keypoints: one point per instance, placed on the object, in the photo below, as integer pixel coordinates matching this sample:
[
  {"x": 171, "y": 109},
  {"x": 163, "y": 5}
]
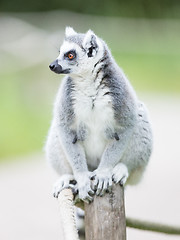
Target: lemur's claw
[
  {"x": 92, "y": 177},
  {"x": 85, "y": 191},
  {"x": 102, "y": 182},
  {"x": 85, "y": 197}
]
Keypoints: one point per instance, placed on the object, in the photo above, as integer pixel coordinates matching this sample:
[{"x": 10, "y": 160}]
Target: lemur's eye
[{"x": 70, "y": 56}]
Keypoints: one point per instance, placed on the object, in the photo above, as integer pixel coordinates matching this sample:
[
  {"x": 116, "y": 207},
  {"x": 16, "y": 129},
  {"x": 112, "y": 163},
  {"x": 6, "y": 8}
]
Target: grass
[
  {"x": 152, "y": 72},
  {"x": 25, "y": 112}
]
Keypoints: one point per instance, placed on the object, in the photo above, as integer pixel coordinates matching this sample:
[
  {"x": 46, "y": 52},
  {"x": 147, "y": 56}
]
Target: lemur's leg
[{"x": 110, "y": 159}]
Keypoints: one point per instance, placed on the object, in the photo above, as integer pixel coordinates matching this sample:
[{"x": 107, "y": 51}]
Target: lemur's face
[{"x": 78, "y": 53}]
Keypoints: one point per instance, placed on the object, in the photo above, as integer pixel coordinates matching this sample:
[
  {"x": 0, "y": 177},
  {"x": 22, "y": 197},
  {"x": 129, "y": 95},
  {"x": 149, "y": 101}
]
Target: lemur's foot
[
  {"x": 85, "y": 192},
  {"x": 102, "y": 181},
  {"x": 66, "y": 181},
  {"x": 120, "y": 174}
]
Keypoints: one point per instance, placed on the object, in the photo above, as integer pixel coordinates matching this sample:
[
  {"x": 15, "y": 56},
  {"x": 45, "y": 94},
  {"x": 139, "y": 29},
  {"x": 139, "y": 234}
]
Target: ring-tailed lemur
[{"x": 100, "y": 131}]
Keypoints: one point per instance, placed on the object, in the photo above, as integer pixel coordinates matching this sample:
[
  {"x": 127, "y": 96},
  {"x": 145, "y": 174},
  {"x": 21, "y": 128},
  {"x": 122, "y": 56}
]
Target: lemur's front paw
[
  {"x": 120, "y": 174},
  {"x": 85, "y": 192},
  {"x": 66, "y": 181},
  {"x": 102, "y": 181}
]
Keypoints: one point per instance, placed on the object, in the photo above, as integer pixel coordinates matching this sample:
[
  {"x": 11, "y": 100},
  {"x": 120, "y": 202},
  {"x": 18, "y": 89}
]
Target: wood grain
[{"x": 105, "y": 216}]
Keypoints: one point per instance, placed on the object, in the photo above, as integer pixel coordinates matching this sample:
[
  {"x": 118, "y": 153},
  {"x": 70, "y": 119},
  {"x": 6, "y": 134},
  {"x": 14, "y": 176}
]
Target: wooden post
[{"x": 105, "y": 217}]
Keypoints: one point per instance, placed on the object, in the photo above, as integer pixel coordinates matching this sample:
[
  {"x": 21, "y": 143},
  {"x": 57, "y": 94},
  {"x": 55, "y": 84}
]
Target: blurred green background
[{"x": 144, "y": 37}]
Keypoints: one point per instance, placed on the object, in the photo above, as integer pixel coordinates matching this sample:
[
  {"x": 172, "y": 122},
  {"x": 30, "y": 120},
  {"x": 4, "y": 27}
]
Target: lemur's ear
[
  {"x": 90, "y": 43},
  {"x": 69, "y": 32}
]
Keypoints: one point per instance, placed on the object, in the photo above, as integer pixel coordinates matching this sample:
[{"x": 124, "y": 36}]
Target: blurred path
[{"x": 28, "y": 211}]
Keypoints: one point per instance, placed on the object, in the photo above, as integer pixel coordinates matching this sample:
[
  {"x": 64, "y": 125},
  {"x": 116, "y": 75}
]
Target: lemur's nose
[
  {"x": 55, "y": 67},
  {"x": 52, "y": 66}
]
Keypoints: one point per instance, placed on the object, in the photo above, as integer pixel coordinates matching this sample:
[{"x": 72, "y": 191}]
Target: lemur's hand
[
  {"x": 85, "y": 192},
  {"x": 65, "y": 181},
  {"x": 102, "y": 181}
]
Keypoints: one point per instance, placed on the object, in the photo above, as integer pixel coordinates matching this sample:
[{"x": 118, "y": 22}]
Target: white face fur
[{"x": 75, "y": 58}]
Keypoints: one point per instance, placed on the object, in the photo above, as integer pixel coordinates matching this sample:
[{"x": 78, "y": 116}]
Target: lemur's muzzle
[{"x": 55, "y": 67}]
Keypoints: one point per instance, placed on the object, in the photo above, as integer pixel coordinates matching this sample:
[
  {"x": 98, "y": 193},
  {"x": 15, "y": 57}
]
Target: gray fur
[
  {"x": 78, "y": 39},
  {"x": 124, "y": 137}
]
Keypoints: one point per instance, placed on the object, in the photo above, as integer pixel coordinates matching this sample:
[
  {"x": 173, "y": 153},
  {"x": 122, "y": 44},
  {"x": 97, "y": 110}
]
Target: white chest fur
[{"x": 93, "y": 109}]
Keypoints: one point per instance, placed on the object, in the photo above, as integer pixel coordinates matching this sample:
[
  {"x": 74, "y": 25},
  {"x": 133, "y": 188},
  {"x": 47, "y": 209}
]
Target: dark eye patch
[{"x": 70, "y": 55}]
